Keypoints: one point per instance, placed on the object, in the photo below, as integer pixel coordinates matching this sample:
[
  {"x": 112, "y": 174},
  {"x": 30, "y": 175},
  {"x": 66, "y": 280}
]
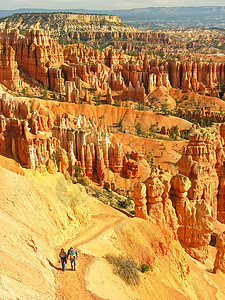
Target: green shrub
[
  {"x": 125, "y": 267},
  {"x": 7, "y": 25},
  {"x": 144, "y": 267},
  {"x": 97, "y": 99},
  {"x": 77, "y": 170},
  {"x": 31, "y": 109},
  {"x": 82, "y": 181},
  {"x": 138, "y": 128},
  {"x": 117, "y": 103},
  {"x": 165, "y": 108},
  {"x": 140, "y": 106},
  {"x": 120, "y": 125},
  {"x": 132, "y": 53},
  {"x": 174, "y": 132},
  {"x": 125, "y": 203}
]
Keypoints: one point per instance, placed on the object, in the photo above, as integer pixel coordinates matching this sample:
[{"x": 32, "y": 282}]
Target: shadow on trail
[
  {"x": 124, "y": 212},
  {"x": 51, "y": 265},
  {"x": 210, "y": 271},
  {"x": 58, "y": 268}
]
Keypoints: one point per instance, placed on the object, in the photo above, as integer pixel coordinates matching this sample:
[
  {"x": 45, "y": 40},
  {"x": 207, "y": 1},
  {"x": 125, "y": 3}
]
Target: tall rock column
[
  {"x": 116, "y": 158},
  {"x": 221, "y": 201},
  {"x": 155, "y": 189},
  {"x": 71, "y": 158},
  {"x": 219, "y": 263},
  {"x": 9, "y": 73},
  {"x": 201, "y": 159},
  {"x": 89, "y": 162},
  {"x": 72, "y": 93},
  {"x": 194, "y": 218},
  {"x": 100, "y": 164},
  {"x": 139, "y": 197},
  {"x": 63, "y": 163},
  {"x": 168, "y": 209}
]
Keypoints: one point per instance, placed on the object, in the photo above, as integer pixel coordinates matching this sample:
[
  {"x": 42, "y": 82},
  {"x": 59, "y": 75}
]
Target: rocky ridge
[{"x": 92, "y": 29}]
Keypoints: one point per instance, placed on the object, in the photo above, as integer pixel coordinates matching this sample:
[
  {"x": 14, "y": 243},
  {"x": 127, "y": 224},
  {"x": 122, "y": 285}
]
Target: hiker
[
  {"x": 72, "y": 255},
  {"x": 62, "y": 259}
]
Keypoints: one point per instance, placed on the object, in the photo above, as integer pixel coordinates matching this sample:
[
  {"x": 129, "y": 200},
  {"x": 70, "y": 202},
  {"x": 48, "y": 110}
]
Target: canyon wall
[
  {"x": 86, "y": 18},
  {"x": 60, "y": 143},
  {"x": 51, "y": 64},
  {"x": 9, "y": 73}
]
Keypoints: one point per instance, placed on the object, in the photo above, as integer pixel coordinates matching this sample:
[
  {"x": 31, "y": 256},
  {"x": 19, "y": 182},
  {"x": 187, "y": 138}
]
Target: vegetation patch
[
  {"x": 125, "y": 267},
  {"x": 144, "y": 267},
  {"x": 125, "y": 204}
]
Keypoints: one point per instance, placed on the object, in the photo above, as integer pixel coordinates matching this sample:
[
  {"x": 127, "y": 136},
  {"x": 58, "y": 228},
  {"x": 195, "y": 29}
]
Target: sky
[{"x": 103, "y": 4}]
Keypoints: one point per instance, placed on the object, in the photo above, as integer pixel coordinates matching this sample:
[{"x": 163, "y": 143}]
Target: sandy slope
[
  {"x": 161, "y": 95},
  {"x": 204, "y": 101},
  {"x": 164, "y": 153},
  {"x": 40, "y": 214},
  {"x": 11, "y": 165},
  {"x": 34, "y": 219},
  {"x": 170, "y": 277},
  {"x": 111, "y": 114}
]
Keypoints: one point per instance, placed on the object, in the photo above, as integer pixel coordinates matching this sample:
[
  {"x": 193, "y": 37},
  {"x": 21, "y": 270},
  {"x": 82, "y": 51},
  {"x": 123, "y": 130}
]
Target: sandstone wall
[{"x": 44, "y": 60}]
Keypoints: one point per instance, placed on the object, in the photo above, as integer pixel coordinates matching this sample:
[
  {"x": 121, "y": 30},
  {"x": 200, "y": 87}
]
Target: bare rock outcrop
[
  {"x": 63, "y": 163},
  {"x": 9, "y": 73},
  {"x": 139, "y": 198},
  {"x": 66, "y": 69},
  {"x": 56, "y": 143},
  {"x": 195, "y": 219},
  {"x": 219, "y": 263},
  {"x": 44, "y": 60},
  {"x": 201, "y": 161},
  {"x": 152, "y": 200}
]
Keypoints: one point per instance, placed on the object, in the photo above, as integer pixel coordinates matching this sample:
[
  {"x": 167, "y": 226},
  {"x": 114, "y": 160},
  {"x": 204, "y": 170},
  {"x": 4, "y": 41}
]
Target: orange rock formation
[
  {"x": 196, "y": 193},
  {"x": 57, "y": 66},
  {"x": 57, "y": 143},
  {"x": 188, "y": 202},
  {"x": 219, "y": 263}
]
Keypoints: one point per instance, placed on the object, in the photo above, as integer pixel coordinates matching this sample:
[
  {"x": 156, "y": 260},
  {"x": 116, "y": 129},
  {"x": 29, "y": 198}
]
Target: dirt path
[{"x": 71, "y": 284}]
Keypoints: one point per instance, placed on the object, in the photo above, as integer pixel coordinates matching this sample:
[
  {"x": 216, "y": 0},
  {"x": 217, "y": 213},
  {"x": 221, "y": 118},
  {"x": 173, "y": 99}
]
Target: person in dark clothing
[
  {"x": 62, "y": 259},
  {"x": 72, "y": 255}
]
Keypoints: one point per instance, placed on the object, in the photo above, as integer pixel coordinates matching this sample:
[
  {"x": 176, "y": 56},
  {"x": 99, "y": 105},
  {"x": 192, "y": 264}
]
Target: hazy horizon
[{"x": 101, "y": 4}]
